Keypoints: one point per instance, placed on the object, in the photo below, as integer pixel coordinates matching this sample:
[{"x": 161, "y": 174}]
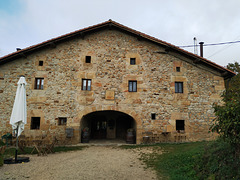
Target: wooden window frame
[
  {"x": 62, "y": 121},
  {"x": 132, "y": 61},
  {"x": 132, "y": 86},
  {"x": 153, "y": 116},
  {"x": 88, "y": 59},
  {"x": 40, "y": 63},
  {"x": 178, "y": 87},
  {"x": 85, "y": 86},
  {"x": 180, "y": 125},
  {"x": 33, "y": 126},
  {"x": 39, "y": 83}
]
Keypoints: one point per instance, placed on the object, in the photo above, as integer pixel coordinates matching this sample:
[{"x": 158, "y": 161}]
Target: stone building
[{"x": 111, "y": 78}]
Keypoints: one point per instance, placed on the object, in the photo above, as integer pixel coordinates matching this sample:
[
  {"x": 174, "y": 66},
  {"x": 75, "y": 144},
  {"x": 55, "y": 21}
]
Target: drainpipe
[{"x": 201, "y": 48}]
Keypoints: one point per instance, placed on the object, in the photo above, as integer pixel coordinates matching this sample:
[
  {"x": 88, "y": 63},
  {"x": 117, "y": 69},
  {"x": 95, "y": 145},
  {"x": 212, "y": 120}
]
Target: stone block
[{"x": 109, "y": 95}]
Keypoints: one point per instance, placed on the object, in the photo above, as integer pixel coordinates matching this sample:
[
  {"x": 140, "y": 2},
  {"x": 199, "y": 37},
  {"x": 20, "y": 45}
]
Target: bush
[
  {"x": 219, "y": 161},
  {"x": 227, "y": 123}
]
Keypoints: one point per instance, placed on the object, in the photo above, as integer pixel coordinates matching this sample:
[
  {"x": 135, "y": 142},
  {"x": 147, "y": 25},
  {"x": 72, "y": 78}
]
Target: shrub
[{"x": 219, "y": 161}]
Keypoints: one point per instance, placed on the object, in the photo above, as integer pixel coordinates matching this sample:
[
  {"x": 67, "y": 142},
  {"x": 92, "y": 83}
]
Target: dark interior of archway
[{"x": 108, "y": 124}]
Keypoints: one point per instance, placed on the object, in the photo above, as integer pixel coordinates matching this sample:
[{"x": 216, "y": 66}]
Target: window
[
  {"x": 153, "y": 116},
  {"x": 62, "y": 121},
  {"x": 88, "y": 59},
  {"x": 178, "y": 69},
  {"x": 35, "y": 123},
  {"x": 180, "y": 125},
  {"x": 39, "y": 83},
  {"x": 178, "y": 87},
  {"x": 132, "y": 61},
  {"x": 132, "y": 86},
  {"x": 40, "y": 63},
  {"x": 86, "y": 84}
]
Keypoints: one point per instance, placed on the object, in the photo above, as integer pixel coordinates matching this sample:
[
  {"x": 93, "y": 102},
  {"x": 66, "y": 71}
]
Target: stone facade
[{"x": 64, "y": 67}]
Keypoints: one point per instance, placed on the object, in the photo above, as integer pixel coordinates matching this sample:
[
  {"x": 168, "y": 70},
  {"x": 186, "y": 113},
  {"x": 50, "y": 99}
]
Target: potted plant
[{"x": 85, "y": 135}]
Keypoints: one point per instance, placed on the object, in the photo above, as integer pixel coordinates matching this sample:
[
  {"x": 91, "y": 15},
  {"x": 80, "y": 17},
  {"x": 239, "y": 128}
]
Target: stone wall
[{"x": 64, "y": 68}]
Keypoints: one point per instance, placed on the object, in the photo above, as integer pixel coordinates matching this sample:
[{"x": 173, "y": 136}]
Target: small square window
[
  {"x": 178, "y": 69},
  {"x": 88, "y": 59},
  {"x": 153, "y": 116},
  {"x": 62, "y": 121},
  {"x": 132, "y": 61},
  {"x": 86, "y": 84},
  {"x": 40, "y": 63},
  {"x": 39, "y": 83},
  {"x": 35, "y": 123},
  {"x": 178, "y": 87},
  {"x": 180, "y": 125},
  {"x": 132, "y": 86}
]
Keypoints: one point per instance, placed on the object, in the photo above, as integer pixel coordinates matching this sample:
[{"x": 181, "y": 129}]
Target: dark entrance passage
[{"x": 108, "y": 124}]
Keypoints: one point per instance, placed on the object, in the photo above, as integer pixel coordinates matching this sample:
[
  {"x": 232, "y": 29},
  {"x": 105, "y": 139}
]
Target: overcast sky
[{"x": 27, "y": 22}]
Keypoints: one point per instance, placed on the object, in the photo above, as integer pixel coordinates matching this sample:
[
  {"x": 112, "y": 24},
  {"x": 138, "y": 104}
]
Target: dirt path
[{"x": 95, "y": 162}]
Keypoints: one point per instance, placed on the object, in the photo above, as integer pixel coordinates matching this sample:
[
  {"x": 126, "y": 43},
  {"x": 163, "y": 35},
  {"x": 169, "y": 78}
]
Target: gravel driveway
[{"x": 94, "y": 162}]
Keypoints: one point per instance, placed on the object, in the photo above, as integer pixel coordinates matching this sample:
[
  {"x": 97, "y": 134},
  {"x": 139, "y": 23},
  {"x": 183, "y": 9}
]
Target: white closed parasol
[{"x": 19, "y": 111}]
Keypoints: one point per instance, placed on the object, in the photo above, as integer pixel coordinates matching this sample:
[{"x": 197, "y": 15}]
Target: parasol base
[{"x": 19, "y": 160}]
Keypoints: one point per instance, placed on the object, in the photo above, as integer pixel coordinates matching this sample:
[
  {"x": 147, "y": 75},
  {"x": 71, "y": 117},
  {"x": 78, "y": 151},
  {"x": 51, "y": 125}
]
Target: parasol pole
[{"x": 16, "y": 152}]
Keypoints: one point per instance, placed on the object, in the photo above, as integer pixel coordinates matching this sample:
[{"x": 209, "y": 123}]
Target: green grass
[
  {"x": 189, "y": 161},
  {"x": 177, "y": 162}
]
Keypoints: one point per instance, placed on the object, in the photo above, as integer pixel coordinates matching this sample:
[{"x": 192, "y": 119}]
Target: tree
[
  {"x": 227, "y": 122},
  {"x": 235, "y": 67},
  {"x": 232, "y": 85}
]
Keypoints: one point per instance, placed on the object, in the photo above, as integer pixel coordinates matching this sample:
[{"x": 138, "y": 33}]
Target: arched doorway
[{"x": 108, "y": 124}]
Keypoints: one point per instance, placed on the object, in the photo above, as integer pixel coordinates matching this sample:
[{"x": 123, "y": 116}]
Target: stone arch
[{"x": 132, "y": 113}]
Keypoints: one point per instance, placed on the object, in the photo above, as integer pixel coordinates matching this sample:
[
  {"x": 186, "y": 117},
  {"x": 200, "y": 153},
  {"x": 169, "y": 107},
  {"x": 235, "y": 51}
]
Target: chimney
[
  {"x": 18, "y": 49},
  {"x": 201, "y": 48}
]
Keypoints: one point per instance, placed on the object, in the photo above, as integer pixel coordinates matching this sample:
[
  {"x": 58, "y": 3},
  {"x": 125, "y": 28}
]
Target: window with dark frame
[
  {"x": 88, "y": 59},
  {"x": 86, "y": 84},
  {"x": 178, "y": 87},
  {"x": 180, "y": 125},
  {"x": 39, "y": 83},
  {"x": 40, "y": 63},
  {"x": 62, "y": 121},
  {"x": 132, "y": 61},
  {"x": 153, "y": 116},
  {"x": 178, "y": 69},
  {"x": 132, "y": 86},
  {"x": 35, "y": 123}
]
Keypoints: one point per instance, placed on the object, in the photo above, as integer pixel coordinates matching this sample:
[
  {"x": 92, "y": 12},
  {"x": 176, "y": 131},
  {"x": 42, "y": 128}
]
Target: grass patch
[
  {"x": 179, "y": 160},
  {"x": 172, "y": 161},
  {"x": 189, "y": 161},
  {"x": 68, "y": 148}
]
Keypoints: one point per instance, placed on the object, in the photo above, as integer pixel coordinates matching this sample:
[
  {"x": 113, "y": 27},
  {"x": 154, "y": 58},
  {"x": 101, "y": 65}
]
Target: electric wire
[{"x": 214, "y": 44}]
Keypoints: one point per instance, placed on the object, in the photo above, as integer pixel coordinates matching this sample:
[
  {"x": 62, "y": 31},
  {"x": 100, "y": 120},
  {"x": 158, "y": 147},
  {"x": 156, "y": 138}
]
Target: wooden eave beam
[
  {"x": 110, "y": 26},
  {"x": 196, "y": 61},
  {"x": 22, "y": 55},
  {"x": 52, "y": 44}
]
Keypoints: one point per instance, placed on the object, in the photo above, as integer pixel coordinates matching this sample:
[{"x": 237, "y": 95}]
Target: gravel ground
[{"x": 94, "y": 162}]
